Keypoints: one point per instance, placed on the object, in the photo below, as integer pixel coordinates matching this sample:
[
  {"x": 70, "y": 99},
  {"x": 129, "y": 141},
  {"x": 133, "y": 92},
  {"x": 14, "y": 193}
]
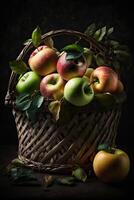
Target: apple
[
  {"x": 28, "y": 83},
  {"x": 52, "y": 86},
  {"x": 105, "y": 100},
  {"x": 78, "y": 92},
  {"x": 71, "y": 68},
  {"x": 104, "y": 79},
  {"x": 120, "y": 87},
  {"x": 43, "y": 60},
  {"x": 111, "y": 166}
]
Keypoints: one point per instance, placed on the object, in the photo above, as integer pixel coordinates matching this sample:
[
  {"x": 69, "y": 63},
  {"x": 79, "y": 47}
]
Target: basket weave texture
[{"x": 53, "y": 147}]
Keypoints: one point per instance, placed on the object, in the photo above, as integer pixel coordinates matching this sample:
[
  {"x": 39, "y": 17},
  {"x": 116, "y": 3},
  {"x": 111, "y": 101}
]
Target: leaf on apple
[
  {"x": 103, "y": 146},
  {"x": 79, "y": 174},
  {"x": 54, "y": 108},
  {"x": 73, "y": 48},
  {"x": 73, "y": 55},
  {"x": 36, "y": 36},
  {"x": 18, "y": 66}
]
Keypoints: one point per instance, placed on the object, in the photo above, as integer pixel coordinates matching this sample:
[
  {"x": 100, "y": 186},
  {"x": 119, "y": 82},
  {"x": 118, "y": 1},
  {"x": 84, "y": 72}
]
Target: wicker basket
[{"x": 53, "y": 147}]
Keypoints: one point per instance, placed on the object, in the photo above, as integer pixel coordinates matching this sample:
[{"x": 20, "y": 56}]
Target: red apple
[
  {"x": 71, "y": 68},
  {"x": 43, "y": 60},
  {"x": 52, "y": 86},
  {"x": 111, "y": 166},
  {"x": 104, "y": 79}
]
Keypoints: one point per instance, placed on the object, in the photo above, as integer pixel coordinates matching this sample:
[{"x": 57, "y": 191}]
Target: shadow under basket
[{"x": 49, "y": 146}]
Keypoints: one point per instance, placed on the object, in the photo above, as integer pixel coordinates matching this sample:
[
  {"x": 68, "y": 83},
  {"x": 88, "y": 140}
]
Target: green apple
[
  {"x": 78, "y": 92},
  {"x": 28, "y": 83},
  {"x": 111, "y": 165}
]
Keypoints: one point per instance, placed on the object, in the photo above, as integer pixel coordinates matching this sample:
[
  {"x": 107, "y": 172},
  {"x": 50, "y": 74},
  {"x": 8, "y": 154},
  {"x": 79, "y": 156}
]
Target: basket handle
[{"x": 10, "y": 96}]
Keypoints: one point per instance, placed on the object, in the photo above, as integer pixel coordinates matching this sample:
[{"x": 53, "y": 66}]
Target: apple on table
[{"x": 111, "y": 165}]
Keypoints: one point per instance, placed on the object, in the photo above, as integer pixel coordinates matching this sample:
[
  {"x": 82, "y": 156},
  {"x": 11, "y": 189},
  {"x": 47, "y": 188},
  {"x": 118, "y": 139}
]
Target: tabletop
[{"x": 91, "y": 189}]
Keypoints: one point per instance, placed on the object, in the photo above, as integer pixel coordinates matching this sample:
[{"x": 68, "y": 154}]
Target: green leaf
[
  {"x": 33, "y": 109},
  {"x": 18, "y": 66},
  {"x": 110, "y": 30},
  {"x": 32, "y": 114},
  {"x": 103, "y": 146},
  {"x": 22, "y": 176},
  {"x": 90, "y": 29},
  {"x": 102, "y": 34},
  {"x": 88, "y": 55},
  {"x": 79, "y": 174},
  {"x": 23, "y": 101},
  {"x": 37, "y": 101},
  {"x": 54, "y": 108},
  {"x": 114, "y": 44},
  {"x": 100, "y": 59},
  {"x": 28, "y": 41},
  {"x": 121, "y": 52},
  {"x": 36, "y": 36},
  {"x": 73, "y": 55},
  {"x": 73, "y": 48},
  {"x": 49, "y": 42},
  {"x": 69, "y": 180},
  {"x": 97, "y": 34}
]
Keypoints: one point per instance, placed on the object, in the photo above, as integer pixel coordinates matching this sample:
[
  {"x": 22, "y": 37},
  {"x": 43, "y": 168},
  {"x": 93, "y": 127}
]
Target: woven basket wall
[{"x": 53, "y": 147}]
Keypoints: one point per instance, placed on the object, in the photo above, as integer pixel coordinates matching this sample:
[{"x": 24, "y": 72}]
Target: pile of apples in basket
[
  {"x": 79, "y": 76},
  {"x": 75, "y": 74}
]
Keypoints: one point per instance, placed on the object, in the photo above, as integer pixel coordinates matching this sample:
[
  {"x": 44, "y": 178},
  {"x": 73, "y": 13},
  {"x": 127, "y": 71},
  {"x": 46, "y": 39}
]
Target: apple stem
[{"x": 92, "y": 82}]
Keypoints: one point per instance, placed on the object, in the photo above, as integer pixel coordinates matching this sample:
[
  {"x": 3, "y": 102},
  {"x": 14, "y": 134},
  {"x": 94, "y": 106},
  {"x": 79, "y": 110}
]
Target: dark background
[{"x": 19, "y": 19}]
